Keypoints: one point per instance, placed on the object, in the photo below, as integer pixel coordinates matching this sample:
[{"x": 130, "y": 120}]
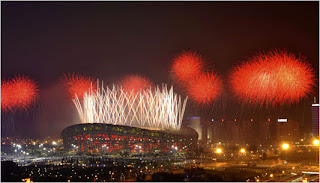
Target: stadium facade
[{"x": 114, "y": 139}]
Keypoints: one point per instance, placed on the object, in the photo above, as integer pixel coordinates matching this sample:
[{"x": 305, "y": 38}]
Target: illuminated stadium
[
  {"x": 115, "y": 121},
  {"x": 114, "y": 139}
]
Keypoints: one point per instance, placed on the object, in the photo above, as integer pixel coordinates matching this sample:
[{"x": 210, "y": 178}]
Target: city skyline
[{"x": 91, "y": 43}]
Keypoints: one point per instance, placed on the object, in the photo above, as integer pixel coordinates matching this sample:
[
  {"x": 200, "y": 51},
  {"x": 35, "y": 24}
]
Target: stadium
[
  {"x": 114, "y": 139},
  {"x": 114, "y": 121}
]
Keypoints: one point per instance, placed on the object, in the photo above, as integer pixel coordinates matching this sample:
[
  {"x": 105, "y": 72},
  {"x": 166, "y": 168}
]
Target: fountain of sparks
[{"x": 152, "y": 108}]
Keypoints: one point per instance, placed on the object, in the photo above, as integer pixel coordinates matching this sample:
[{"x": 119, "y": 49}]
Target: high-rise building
[
  {"x": 195, "y": 123},
  {"x": 264, "y": 131},
  {"x": 224, "y": 130},
  {"x": 315, "y": 118},
  {"x": 250, "y": 131},
  {"x": 287, "y": 130}
]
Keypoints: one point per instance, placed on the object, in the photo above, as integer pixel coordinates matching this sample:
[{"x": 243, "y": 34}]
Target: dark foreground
[{"x": 11, "y": 172}]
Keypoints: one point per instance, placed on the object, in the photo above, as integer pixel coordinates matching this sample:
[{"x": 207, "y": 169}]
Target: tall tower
[
  {"x": 315, "y": 117},
  {"x": 195, "y": 123}
]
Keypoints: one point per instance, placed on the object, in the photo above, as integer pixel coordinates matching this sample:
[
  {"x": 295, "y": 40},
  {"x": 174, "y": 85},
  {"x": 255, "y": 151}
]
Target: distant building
[
  {"x": 195, "y": 123},
  {"x": 224, "y": 130},
  {"x": 264, "y": 131},
  {"x": 315, "y": 118},
  {"x": 250, "y": 131},
  {"x": 288, "y": 131}
]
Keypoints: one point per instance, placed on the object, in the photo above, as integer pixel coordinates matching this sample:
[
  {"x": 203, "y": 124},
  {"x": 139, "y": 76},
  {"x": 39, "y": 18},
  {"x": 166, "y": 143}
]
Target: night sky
[{"x": 110, "y": 39}]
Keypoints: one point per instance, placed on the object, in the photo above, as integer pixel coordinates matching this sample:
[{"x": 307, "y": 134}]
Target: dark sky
[{"x": 110, "y": 39}]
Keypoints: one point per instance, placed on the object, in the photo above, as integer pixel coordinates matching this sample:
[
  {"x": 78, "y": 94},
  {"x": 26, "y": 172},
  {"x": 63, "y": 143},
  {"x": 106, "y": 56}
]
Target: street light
[
  {"x": 242, "y": 150},
  {"x": 315, "y": 142},
  {"x": 285, "y": 146},
  {"x": 219, "y": 151}
]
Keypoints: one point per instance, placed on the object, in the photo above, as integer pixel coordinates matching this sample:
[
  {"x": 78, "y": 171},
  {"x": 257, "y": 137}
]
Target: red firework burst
[
  {"x": 205, "y": 88},
  {"x": 19, "y": 93},
  {"x": 6, "y": 97},
  {"x": 186, "y": 66},
  {"x": 135, "y": 83},
  {"x": 78, "y": 85},
  {"x": 275, "y": 78}
]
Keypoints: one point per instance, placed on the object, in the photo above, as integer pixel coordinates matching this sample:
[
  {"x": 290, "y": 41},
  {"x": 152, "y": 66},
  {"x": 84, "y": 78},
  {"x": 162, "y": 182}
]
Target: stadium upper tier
[{"x": 114, "y": 139}]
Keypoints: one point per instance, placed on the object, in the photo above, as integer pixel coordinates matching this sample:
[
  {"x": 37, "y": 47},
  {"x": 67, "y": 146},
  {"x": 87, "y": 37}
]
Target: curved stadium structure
[
  {"x": 115, "y": 121},
  {"x": 114, "y": 139}
]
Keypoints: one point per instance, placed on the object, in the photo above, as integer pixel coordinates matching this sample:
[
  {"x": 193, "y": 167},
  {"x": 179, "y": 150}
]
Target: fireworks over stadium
[
  {"x": 134, "y": 103},
  {"x": 160, "y": 91},
  {"x": 132, "y": 113}
]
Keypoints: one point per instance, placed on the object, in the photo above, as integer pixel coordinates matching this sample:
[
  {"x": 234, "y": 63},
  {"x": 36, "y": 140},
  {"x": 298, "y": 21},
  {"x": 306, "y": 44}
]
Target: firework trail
[
  {"x": 186, "y": 66},
  {"x": 8, "y": 124},
  {"x": 77, "y": 84},
  {"x": 273, "y": 78},
  {"x": 156, "y": 108},
  {"x": 205, "y": 89}
]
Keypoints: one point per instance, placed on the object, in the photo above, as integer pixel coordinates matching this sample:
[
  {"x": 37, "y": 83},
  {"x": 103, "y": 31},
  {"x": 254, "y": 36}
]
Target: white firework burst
[{"x": 155, "y": 108}]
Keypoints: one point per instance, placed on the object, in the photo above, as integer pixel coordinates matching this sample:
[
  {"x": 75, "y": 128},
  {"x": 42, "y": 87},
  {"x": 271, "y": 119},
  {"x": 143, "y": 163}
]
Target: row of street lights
[
  {"x": 285, "y": 146},
  {"x": 219, "y": 150}
]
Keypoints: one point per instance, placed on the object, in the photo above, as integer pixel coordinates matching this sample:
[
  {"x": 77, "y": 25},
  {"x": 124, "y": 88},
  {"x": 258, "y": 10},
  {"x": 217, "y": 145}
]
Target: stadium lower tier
[{"x": 115, "y": 139}]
